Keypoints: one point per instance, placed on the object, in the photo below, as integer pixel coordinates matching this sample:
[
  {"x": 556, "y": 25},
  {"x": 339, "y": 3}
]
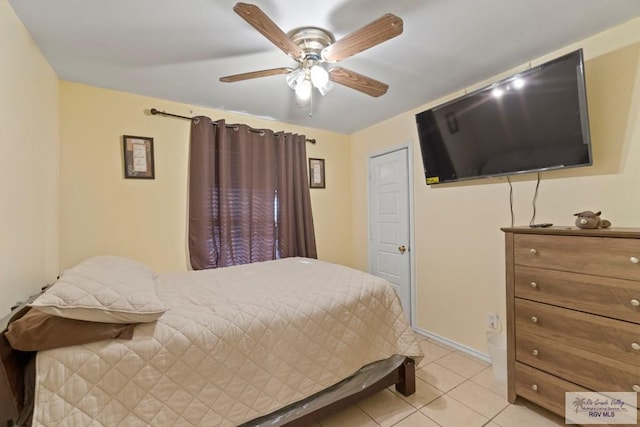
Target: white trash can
[{"x": 497, "y": 346}]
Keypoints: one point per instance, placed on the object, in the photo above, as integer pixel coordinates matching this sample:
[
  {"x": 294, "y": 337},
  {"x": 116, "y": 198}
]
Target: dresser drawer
[
  {"x": 610, "y": 338},
  {"x": 576, "y": 365},
  {"x": 601, "y": 256},
  {"x": 543, "y": 389},
  {"x": 605, "y": 296}
]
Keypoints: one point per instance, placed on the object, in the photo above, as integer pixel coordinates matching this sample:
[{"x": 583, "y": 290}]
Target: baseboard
[{"x": 460, "y": 347}]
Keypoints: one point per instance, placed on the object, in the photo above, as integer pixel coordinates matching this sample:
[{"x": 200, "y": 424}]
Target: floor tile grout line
[
  {"x": 447, "y": 369},
  {"x": 421, "y": 413},
  {"x": 487, "y": 388},
  {"x": 500, "y": 412},
  {"x": 395, "y": 424},
  {"x": 367, "y": 414},
  {"x": 464, "y": 404}
]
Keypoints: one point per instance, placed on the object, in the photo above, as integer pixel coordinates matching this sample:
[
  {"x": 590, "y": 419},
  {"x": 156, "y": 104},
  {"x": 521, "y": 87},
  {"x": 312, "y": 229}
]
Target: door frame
[{"x": 412, "y": 270}]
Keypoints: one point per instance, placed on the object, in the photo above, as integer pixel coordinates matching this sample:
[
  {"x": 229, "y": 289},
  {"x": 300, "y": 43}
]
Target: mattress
[{"x": 237, "y": 343}]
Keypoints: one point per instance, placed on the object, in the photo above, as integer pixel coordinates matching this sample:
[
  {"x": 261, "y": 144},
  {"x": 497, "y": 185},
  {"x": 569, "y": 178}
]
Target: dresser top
[{"x": 629, "y": 232}]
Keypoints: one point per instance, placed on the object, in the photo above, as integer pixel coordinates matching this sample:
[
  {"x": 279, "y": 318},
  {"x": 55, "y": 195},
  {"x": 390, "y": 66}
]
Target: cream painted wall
[
  {"x": 103, "y": 213},
  {"x": 28, "y": 164},
  {"x": 459, "y": 248}
]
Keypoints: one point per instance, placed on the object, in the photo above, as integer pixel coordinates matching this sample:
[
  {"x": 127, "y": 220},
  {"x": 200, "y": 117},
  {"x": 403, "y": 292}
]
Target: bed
[{"x": 272, "y": 343}]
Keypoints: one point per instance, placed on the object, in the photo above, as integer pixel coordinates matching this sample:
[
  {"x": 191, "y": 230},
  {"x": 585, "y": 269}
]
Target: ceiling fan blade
[
  {"x": 256, "y": 74},
  {"x": 382, "y": 29},
  {"x": 261, "y": 22},
  {"x": 357, "y": 81}
]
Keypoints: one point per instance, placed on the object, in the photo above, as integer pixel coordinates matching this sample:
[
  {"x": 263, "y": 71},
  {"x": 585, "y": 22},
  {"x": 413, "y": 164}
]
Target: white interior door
[{"x": 389, "y": 233}]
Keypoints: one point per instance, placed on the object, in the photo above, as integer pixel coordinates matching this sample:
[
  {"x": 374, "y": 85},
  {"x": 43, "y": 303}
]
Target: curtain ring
[
  {"x": 236, "y": 127},
  {"x": 196, "y": 120},
  {"x": 261, "y": 133}
]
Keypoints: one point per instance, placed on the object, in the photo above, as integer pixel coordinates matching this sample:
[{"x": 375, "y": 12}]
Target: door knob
[{"x": 402, "y": 249}]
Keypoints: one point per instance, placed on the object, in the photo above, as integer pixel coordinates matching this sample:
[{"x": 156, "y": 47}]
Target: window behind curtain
[{"x": 248, "y": 201}]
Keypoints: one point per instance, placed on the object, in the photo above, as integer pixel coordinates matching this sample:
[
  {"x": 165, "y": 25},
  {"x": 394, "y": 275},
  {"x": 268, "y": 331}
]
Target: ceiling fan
[{"x": 312, "y": 46}]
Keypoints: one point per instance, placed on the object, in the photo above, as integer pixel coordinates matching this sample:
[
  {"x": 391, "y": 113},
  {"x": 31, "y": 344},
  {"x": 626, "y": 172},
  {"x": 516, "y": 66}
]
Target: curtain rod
[{"x": 155, "y": 112}]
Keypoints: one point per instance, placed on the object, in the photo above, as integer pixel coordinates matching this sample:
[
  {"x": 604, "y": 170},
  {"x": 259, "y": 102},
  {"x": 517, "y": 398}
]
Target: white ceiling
[{"x": 177, "y": 49}]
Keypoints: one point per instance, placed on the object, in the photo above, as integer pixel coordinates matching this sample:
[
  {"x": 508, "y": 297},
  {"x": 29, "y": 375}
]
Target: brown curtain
[
  {"x": 235, "y": 175},
  {"x": 296, "y": 235}
]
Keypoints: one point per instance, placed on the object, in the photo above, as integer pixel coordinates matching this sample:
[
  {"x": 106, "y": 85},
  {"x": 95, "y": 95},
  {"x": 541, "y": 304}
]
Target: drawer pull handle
[
  {"x": 534, "y": 285},
  {"x": 635, "y": 303},
  {"x": 534, "y": 352},
  {"x": 635, "y": 346},
  {"x": 636, "y": 387},
  {"x": 532, "y": 251},
  {"x": 534, "y": 387},
  {"x": 534, "y": 319},
  {"x": 634, "y": 260}
]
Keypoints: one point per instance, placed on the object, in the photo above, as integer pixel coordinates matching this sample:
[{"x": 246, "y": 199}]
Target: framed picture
[
  {"x": 138, "y": 157},
  {"x": 316, "y": 173}
]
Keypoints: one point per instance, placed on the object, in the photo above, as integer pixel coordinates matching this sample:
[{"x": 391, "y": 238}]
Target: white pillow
[{"x": 107, "y": 289}]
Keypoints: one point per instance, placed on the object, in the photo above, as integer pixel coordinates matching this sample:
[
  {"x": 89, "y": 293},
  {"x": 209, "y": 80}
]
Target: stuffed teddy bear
[{"x": 588, "y": 219}]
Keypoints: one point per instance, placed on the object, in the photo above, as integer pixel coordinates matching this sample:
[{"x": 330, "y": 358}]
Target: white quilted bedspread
[{"x": 237, "y": 343}]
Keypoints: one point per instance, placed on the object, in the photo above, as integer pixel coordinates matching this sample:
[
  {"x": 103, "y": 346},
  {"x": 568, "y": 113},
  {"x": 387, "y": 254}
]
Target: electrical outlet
[{"x": 493, "y": 322}]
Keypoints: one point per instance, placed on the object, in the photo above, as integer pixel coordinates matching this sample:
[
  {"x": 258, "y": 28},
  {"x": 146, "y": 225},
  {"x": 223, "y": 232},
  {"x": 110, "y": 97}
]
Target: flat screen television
[{"x": 532, "y": 121}]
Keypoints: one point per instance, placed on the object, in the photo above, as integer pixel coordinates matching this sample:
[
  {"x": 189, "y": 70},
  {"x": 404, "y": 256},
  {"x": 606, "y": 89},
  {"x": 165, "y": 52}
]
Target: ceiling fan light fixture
[
  {"x": 295, "y": 77},
  {"x": 320, "y": 79},
  {"x": 303, "y": 90},
  {"x": 319, "y": 76},
  {"x": 325, "y": 87}
]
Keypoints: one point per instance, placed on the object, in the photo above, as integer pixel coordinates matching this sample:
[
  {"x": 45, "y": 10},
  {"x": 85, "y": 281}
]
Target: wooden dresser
[{"x": 573, "y": 312}]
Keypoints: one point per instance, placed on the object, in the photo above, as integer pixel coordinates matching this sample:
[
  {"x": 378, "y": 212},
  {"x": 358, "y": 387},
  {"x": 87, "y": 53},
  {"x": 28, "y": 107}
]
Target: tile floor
[{"x": 453, "y": 389}]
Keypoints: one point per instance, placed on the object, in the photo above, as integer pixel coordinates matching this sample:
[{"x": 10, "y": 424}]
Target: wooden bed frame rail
[{"x": 404, "y": 378}]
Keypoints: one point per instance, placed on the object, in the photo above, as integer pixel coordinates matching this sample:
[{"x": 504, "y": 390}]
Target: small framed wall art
[
  {"x": 138, "y": 157},
  {"x": 316, "y": 173}
]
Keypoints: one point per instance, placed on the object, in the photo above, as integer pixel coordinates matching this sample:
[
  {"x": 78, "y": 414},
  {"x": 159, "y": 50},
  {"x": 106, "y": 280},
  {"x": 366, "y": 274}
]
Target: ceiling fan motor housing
[{"x": 311, "y": 40}]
